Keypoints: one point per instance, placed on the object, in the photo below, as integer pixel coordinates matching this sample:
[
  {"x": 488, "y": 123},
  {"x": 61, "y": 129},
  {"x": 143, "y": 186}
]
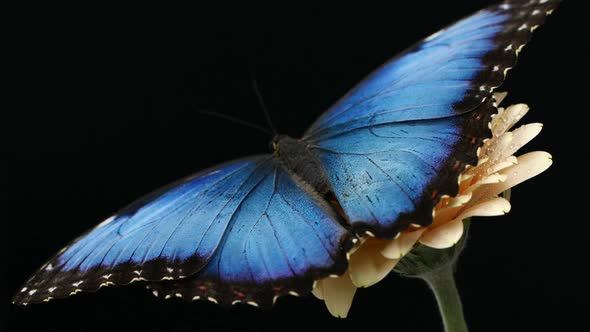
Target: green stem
[{"x": 442, "y": 283}]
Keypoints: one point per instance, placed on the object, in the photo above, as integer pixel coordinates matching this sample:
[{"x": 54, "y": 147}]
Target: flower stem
[{"x": 442, "y": 283}]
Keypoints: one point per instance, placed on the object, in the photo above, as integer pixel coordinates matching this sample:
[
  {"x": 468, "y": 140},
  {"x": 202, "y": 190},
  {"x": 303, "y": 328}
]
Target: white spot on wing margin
[{"x": 106, "y": 221}]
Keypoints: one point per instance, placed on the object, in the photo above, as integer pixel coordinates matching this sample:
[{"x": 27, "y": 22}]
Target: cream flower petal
[
  {"x": 338, "y": 294},
  {"x": 516, "y": 112},
  {"x": 494, "y": 151},
  {"x": 448, "y": 211},
  {"x": 367, "y": 266},
  {"x": 484, "y": 181},
  {"x": 520, "y": 137},
  {"x": 497, "y": 154},
  {"x": 504, "y": 164},
  {"x": 459, "y": 200},
  {"x": 468, "y": 174},
  {"x": 361, "y": 240},
  {"x": 449, "y": 205},
  {"x": 529, "y": 165},
  {"x": 318, "y": 290},
  {"x": 495, "y": 206},
  {"x": 397, "y": 248},
  {"x": 443, "y": 236},
  {"x": 506, "y": 118},
  {"x": 448, "y": 234},
  {"x": 492, "y": 178},
  {"x": 499, "y": 97},
  {"x": 443, "y": 215}
]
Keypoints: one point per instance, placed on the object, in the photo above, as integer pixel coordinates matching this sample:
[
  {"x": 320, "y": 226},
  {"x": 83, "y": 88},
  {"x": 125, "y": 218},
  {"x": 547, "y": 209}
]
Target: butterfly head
[{"x": 279, "y": 141}]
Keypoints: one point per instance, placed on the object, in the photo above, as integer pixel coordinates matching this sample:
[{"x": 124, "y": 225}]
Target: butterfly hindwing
[
  {"x": 408, "y": 125},
  {"x": 386, "y": 177},
  {"x": 198, "y": 223},
  {"x": 281, "y": 242}
]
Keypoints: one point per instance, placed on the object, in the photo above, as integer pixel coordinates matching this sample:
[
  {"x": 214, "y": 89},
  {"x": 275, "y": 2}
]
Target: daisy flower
[{"x": 481, "y": 189}]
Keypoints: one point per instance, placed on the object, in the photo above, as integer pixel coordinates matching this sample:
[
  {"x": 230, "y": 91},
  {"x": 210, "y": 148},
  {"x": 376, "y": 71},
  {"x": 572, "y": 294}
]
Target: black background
[{"x": 106, "y": 109}]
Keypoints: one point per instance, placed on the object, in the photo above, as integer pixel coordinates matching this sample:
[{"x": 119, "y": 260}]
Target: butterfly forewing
[
  {"x": 242, "y": 215},
  {"x": 398, "y": 141}
]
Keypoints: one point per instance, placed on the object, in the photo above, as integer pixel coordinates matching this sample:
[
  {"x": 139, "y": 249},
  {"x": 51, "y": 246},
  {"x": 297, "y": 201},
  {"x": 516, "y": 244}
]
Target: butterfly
[{"x": 254, "y": 229}]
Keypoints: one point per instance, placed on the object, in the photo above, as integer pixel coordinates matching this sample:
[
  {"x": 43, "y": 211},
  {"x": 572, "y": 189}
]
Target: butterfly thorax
[{"x": 296, "y": 157}]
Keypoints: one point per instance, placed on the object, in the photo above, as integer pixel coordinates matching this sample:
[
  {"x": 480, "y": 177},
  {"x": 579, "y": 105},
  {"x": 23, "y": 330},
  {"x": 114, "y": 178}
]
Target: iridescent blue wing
[
  {"x": 233, "y": 217},
  {"x": 397, "y": 141},
  {"x": 268, "y": 251}
]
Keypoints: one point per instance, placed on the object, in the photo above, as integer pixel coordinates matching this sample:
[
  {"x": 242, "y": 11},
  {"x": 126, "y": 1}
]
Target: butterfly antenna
[
  {"x": 263, "y": 105},
  {"x": 236, "y": 120}
]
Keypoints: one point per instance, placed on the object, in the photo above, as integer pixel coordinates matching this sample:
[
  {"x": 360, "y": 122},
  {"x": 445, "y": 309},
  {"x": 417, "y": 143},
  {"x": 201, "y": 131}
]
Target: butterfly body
[
  {"x": 295, "y": 156},
  {"x": 254, "y": 229}
]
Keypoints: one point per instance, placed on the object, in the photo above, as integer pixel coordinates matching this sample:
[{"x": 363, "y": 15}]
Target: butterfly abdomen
[{"x": 294, "y": 155}]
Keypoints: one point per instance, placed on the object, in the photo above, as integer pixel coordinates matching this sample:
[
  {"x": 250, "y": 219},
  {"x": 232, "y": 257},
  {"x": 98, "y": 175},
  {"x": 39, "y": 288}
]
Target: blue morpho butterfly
[{"x": 256, "y": 228}]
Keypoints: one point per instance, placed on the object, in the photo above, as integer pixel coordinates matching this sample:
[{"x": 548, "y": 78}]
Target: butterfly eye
[{"x": 273, "y": 146}]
